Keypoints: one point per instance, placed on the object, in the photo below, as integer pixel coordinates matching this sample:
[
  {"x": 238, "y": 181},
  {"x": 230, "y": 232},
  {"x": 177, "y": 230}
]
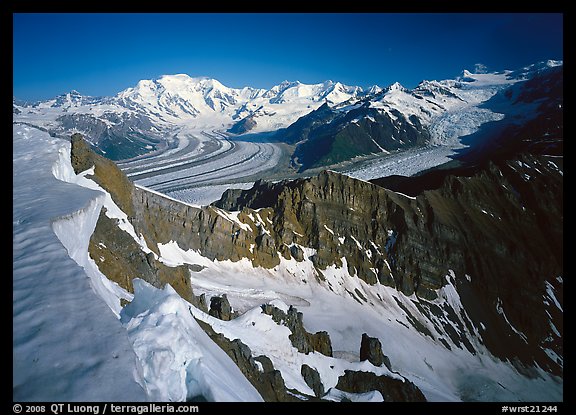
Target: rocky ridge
[
  {"x": 492, "y": 230},
  {"x": 496, "y": 228},
  {"x": 217, "y": 235}
]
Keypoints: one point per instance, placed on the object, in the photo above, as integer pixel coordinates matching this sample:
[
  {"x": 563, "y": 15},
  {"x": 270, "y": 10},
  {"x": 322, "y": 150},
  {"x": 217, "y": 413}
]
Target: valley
[
  {"x": 211, "y": 160},
  {"x": 181, "y": 135},
  {"x": 250, "y": 245}
]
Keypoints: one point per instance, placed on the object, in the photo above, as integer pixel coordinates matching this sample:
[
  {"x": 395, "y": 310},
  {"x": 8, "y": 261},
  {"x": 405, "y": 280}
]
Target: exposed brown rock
[
  {"x": 301, "y": 339},
  {"x": 392, "y": 390}
]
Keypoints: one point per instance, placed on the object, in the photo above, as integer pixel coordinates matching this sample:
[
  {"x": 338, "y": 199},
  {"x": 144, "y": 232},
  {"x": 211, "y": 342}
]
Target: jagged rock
[
  {"x": 220, "y": 308},
  {"x": 106, "y": 173},
  {"x": 196, "y": 267},
  {"x": 299, "y": 336},
  {"x": 243, "y": 126},
  {"x": 489, "y": 225},
  {"x": 392, "y": 390},
  {"x": 120, "y": 258},
  {"x": 199, "y": 301},
  {"x": 312, "y": 379},
  {"x": 501, "y": 225},
  {"x": 302, "y": 340},
  {"x": 320, "y": 342},
  {"x": 258, "y": 370},
  {"x": 297, "y": 253},
  {"x": 371, "y": 350}
]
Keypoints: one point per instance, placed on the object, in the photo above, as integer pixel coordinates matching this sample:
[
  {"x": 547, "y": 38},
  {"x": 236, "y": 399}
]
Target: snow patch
[
  {"x": 500, "y": 311},
  {"x": 180, "y": 362},
  {"x": 550, "y": 292},
  {"x": 233, "y": 217}
]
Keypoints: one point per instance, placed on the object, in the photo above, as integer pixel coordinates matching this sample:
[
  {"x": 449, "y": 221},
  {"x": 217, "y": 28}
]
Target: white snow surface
[
  {"x": 68, "y": 345},
  {"x": 332, "y": 305},
  {"x": 180, "y": 362},
  {"x": 69, "y": 342}
]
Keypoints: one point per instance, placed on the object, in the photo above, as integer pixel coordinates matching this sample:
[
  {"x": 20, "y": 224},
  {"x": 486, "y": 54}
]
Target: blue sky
[{"x": 102, "y": 54}]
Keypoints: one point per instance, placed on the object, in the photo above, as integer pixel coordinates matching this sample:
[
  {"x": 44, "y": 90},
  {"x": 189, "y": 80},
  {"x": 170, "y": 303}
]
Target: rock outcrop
[
  {"x": 121, "y": 259},
  {"x": 392, "y": 390},
  {"x": 371, "y": 350},
  {"x": 258, "y": 370},
  {"x": 113, "y": 250},
  {"x": 301, "y": 339},
  {"x": 220, "y": 308},
  {"x": 312, "y": 379}
]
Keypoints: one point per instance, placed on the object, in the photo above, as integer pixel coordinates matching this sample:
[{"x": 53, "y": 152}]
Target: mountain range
[
  {"x": 352, "y": 121},
  {"x": 444, "y": 285},
  {"x": 139, "y": 119}
]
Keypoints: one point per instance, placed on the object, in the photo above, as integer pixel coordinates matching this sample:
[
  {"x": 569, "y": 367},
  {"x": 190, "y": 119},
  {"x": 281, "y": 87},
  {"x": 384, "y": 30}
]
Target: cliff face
[
  {"x": 497, "y": 231},
  {"x": 114, "y": 250}
]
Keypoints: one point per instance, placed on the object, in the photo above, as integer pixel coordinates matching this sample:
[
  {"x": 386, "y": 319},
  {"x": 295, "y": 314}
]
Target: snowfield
[
  {"x": 67, "y": 343},
  {"x": 441, "y": 374},
  {"x": 180, "y": 362}
]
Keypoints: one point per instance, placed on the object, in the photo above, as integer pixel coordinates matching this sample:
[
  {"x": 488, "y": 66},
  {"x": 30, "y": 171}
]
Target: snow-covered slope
[
  {"x": 180, "y": 362},
  {"x": 443, "y": 374},
  {"x": 69, "y": 343},
  {"x": 176, "y": 99},
  {"x": 204, "y": 101}
]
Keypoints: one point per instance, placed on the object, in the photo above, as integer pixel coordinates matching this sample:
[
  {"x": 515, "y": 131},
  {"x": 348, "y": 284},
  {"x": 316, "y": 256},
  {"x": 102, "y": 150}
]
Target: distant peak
[
  {"x": 551, "y": 63},
  {"x": 480, "y": 68},
  {"x": 466, "y": 76},
  {"x": 396, "y": 86},
  {"x": 175, "y": 77}
]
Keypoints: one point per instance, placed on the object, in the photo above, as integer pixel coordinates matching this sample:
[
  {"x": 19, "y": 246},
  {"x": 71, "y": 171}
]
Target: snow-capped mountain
[
  {"x": 434, "y": 113},
  {"x": 444, "y": 286},
  {"x": 181, "y": 97},
  {"x": 165, "y": 104},
  {"x": 146, "y": 117}
]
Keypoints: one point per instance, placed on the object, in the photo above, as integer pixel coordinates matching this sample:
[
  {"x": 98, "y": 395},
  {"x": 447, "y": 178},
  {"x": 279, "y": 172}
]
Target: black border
[{"x": 438, "y": 6}]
